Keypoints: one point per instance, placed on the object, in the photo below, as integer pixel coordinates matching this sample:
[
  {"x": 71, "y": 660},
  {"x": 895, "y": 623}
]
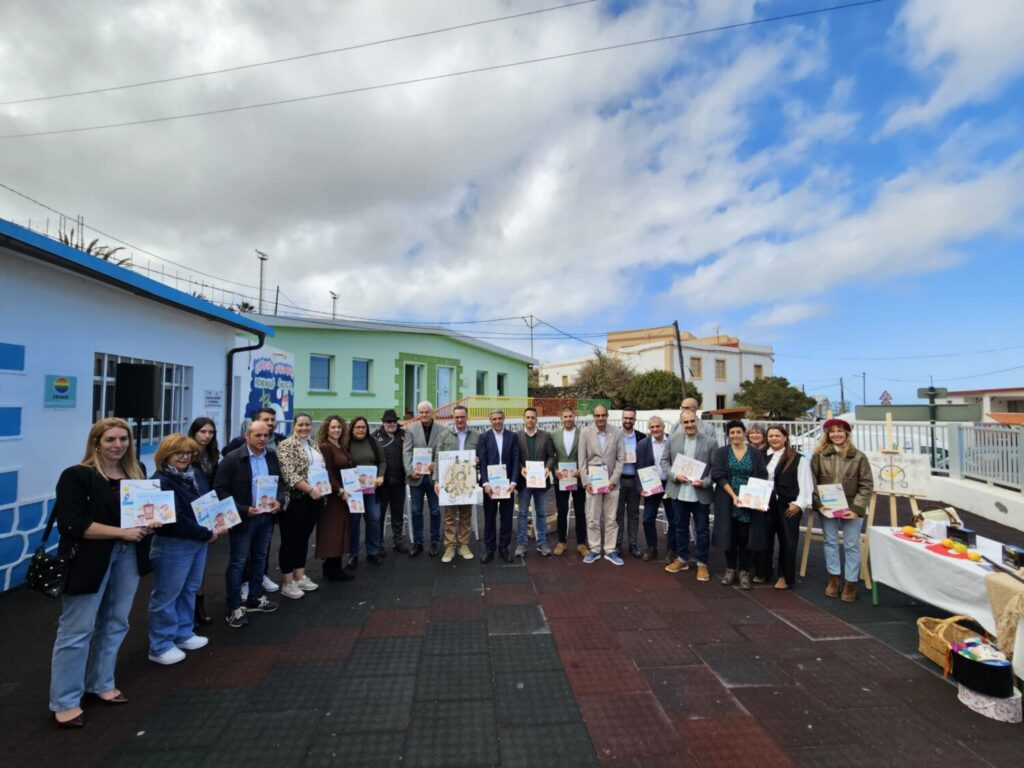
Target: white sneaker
[
  {"x": 194, "y": 643},
  {"x": 245, "y": 592},
  {"x": 269, "y": 585},
  {"x": 306, "y": 584},
  {"x": 170, "y": 656},
  {"x": 291, "y": 589}
]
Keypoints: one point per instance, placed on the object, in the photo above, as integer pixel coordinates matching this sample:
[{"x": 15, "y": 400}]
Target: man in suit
[
  {"x": 237, "y": 477},
  {"x": 534, "y": 445},
  {"x": 628, "y": 514},
  {"x": 269, "y": 417},
  {"x": 691, "y": 496},
  {"x": 423, "y": 433},
  {"x": 567, "y": 450},
  {"x": 601, "y": 445},
  {"x": 648, "y": 454},
  {"x": 498, "y": 446},
  {"x": 458, "y": 518},
  {"x": 706, "y": 428}
]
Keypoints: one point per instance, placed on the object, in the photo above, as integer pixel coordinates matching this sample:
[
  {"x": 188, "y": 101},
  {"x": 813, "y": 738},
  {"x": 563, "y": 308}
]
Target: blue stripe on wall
[
  {"x": 12, "y": 357},
  {"x": 8, "y": 487},
  {"x": 10, "y": 421}
]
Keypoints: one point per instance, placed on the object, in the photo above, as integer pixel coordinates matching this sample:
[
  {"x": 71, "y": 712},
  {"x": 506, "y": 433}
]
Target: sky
[{"x": 845, "y": 186}]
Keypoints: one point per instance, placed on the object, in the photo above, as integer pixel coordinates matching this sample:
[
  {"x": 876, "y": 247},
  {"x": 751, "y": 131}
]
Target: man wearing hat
[{"x": 391, "y": 495}]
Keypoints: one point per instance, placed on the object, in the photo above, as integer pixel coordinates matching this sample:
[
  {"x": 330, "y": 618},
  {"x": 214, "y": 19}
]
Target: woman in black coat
[
  {"x": 103, "y": 574},
  {"x": 204, "y": 431},
  {"x": 738, "y": 530}
]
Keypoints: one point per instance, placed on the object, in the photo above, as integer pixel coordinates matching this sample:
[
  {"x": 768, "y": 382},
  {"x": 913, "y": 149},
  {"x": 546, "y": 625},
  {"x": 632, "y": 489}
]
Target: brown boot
[
  {"x": 849, "y": 592},
  {"x": 832, "y": 590}
]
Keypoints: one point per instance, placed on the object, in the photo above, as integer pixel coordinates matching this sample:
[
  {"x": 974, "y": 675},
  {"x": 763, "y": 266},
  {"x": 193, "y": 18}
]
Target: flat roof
[
  {"x": 285, "y": 321},
  {"x": 962, "y": 392},
  {"x": 50, "y": 251}
]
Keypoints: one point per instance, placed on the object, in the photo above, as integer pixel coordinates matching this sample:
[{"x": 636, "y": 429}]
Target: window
[
  {"x": 696, "y": 367},
  {"x": 175, "y": 393},
  {"x": 565, "y": 381},
  {"x": 320, "y": 373},
  {"x": 481, "y": 382},
  {"x": 719, "y": 402},
  {"x": 501, "y": 384},
  {"x": 758, "y": 371},
  {"x": 361, "y": 375},
  {"x": 720, "y": 370}
]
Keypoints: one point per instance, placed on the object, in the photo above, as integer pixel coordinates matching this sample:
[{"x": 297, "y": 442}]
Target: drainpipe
[{"x": 228, "y": 404}]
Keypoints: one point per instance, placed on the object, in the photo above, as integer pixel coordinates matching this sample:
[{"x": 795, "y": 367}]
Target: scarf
[{"x": 188, "y": 476}]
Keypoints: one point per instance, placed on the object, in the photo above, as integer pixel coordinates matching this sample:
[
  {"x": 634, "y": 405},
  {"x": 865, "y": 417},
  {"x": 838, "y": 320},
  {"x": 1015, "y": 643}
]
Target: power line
[
  {"x": 446, "y": 75},
  {"x": 902, "y": 357},
  {"x": 287, "y": 59}
]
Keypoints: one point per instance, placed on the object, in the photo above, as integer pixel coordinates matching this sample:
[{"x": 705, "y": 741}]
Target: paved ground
[{"x": 551, "y": 664}]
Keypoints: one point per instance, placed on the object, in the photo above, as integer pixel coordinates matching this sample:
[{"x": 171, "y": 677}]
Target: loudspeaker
[{"x": 135, "y": 391}]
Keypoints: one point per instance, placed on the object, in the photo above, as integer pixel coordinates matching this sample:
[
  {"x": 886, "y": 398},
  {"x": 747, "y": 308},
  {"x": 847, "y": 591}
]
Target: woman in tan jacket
[{"x": 837, "y": 462}]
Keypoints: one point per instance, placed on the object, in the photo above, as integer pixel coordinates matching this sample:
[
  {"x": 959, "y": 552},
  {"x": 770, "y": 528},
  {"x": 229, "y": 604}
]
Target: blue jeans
[
  {"x": 425, "y": 487},
  {"x": 371, "y": 518},
  {"x": 90, "y": 633},
  {"x": 682, "y": 511},
  {"x": 249, "y": 541},
  {"x": 830, "y": 527},
  {"x": 540, "y": 519},
  {"x": 178, "y": 566}
]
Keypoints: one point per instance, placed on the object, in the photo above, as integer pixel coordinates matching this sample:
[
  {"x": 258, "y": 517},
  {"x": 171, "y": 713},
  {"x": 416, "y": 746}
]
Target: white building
[
  {"x": 1004, "y": 405},
  {"x": 66, "y": 320},
  {"x": 715, "y": 364}
]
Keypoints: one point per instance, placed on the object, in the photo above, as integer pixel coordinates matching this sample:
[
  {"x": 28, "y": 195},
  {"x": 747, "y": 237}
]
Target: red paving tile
[
  {"x": 628, "y": 616},
  {"x": 220, "y": 666},
  {"x": 657, "y": 648},
  {"x": 629, "y": 725},
  {"x": 731, "y": 742},
  {"x": 510, "y": 594},
  {"x": 568, "y": 606},
  {"x": 741, "y": 612},
  {"x": 396, "y": 622},
  {"x": 702, "y": 627},
  {"x": 321, "y": 644},
  {"x": 602, "y": 672},
  {"x": 556, "y": 583},
  {"x": 582, "y": 634},
  {"x": 778, "y": 598},
  {"x": 457, "y": 608},
  {"x": 816, "y": 624},
  {"x": 676, "y": 600},
  {"x": 795, "y": 719},
  {"x": 782, "y": 639}
]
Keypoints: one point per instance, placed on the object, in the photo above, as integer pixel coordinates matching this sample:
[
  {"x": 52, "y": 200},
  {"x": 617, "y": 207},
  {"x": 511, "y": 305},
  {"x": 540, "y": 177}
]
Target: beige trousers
[
  {"x": 602, "y": 509},
  {"x": 458, "y": 521}
]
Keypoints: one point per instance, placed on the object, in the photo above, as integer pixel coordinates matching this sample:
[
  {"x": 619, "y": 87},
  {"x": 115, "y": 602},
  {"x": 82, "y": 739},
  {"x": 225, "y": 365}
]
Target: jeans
[
  {"x": 371, "y": 518},
  {"x": 830, "y": 527},
  {"x": 178, "y": 566},
  {"x": 540, "y": 514},
  {"x": 682, "y": 511},
  {"x": 579, "y": 509},
  {"x": 424, "y": 487},
  {"x": 651, "y": 506},
  {"x": 90, "y": 633},
  {"x": 249, "y": 541},
  {"x": 628, "y": 513}
]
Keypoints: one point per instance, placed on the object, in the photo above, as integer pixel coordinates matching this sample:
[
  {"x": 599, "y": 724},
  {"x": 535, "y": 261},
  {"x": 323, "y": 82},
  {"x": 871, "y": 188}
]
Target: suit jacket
[
  {"x": 237, "y": 442},
  {"x": 234, "y": 479},
  {"x": 545, "y": 452},
  {"x": 705, "y": 452},
  {"x": 449, "y": 441},
  {"x": 487, "y": 452},
  {"x": 416, "y": 438},
  {"x": 84, "y": 498},
  {"x": 613, "y": 455}
]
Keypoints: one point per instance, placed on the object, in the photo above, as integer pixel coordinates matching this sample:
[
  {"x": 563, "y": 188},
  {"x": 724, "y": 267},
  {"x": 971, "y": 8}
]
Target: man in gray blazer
[
  {"x": 423, "y": 433},
  {"x": 458, "y": 518},
  {"x": 534, "y": 445},
  {"x": 567, "y": 449},
  {"x": 704, "y": 427},
  {"x": 601, "y": 445},
  {"x": 691, "y": 496}
]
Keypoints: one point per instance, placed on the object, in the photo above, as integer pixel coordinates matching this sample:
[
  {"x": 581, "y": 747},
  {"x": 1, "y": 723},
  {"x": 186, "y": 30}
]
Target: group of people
[{"x": 106, "y": 560}]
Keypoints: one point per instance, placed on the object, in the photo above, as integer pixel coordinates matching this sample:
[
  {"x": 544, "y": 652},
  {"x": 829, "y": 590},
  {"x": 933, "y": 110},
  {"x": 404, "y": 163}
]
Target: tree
[
  {"x": 244, "y": 306},
  {"x": 94, "y": 248},
  {"x": 658, "y": 389},
  {"x": 773, "y": 397},
  {"x": 604, "y": 376}
]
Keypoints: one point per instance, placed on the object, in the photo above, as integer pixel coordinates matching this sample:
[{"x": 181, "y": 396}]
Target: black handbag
[{"x": 48, "y": 573}]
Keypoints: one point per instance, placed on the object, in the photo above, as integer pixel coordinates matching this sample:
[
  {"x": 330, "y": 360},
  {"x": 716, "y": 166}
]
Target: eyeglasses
[{"x": 183, "y": 454}]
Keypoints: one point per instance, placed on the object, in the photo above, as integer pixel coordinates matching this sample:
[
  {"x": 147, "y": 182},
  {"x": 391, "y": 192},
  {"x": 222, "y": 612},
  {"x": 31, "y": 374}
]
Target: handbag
[{"x": 48, "y": 573}]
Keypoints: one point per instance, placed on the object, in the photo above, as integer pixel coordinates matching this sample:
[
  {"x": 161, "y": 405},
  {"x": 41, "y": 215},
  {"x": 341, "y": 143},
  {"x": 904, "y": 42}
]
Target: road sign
[
  {"x": 886, "y": 398},
  {"x": 926, "y": 392}
]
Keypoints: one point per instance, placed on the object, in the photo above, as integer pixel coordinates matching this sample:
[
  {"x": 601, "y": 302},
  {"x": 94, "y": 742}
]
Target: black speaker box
[{"x": 135, "y": 391}]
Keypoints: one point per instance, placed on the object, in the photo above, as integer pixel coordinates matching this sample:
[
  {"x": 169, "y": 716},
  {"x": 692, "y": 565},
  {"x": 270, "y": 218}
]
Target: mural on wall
[{"x": 272, "y": 383}]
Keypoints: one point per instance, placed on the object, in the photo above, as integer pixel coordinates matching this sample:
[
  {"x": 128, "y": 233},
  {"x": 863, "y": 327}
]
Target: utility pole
[
  {"x": 842, "y": 397},
  {"x": 334, "y": 303},
  {"x": 532, "y": 324},
  {"x": 679, "y": 351},
  {"x": 864, "y": 386},
  {"x": 263, "y": 260},
  {"x": 277, "y": 298}
]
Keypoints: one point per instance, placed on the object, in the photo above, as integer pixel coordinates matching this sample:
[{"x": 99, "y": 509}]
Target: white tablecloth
[{"x": 955, "y": 585}]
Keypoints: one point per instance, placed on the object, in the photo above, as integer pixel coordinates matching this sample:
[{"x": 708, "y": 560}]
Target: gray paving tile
[
  {"x": 378, "y": 657},
  {"x": 306, "y": 685},
  {"x": 370, "y": 704},
  {"x": 447, "y": 734},
  {"x": 566, "y": 745},
  {"x": 264, "y": 740},
  {"x": 516, "y": 620},
  {"x": 524, "y": 653},
  {"x": 738, "y": 664},
  {"x": 454, "y": 678},
  {"x": 534, "y": 698},
  {"x": 455, "y": 637}
]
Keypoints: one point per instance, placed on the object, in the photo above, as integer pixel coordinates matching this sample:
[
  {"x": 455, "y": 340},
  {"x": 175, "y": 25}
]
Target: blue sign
[
  {"x": 60, "y": 391},
  {"x": 272, "y": 384}
]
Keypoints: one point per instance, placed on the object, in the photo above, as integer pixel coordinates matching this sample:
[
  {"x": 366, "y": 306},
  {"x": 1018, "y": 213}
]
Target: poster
[
  {"x": 272, "y": 384},
  {"x": 456, "y": 477},
  {"x": 907, "y": 473},
  {"x": 60, "y": 391}
]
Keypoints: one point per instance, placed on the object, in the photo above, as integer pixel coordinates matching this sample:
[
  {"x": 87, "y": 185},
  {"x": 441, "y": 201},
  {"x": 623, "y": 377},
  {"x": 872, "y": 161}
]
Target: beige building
[{"x": 715, "y": 364}]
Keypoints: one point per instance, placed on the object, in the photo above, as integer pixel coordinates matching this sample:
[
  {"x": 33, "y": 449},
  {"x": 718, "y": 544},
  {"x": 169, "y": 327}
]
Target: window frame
[
  {"x": 329, "y": 359},
  {"x": 369, "y": 374}
]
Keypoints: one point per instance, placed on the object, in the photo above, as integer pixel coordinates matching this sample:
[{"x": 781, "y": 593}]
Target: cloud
[
  {"x": 784, "y": 314},
  {"x": 972, "y": 51}
]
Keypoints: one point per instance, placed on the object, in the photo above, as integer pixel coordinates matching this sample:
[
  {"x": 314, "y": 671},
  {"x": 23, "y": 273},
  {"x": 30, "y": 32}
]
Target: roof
[
  {"x": 962, "y": 392},
  {"x": 50, "y": 251},
  {"x": 1013, "y": 419},
  {"x": 284, "y": 321}
]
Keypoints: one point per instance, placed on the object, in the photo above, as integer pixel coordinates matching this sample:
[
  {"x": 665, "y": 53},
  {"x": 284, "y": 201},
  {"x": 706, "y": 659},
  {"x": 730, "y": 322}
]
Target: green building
[{"x": 361, "y": 368}]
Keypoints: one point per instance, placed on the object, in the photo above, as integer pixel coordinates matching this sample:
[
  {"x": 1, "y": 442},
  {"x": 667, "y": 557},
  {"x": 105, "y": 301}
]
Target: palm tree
[
  {"x": 104, "y": 252},
  {"x": 245, "y": 306}
]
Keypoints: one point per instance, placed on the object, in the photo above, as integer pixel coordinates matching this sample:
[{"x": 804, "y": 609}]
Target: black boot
[{"x": 202, "y": 617}]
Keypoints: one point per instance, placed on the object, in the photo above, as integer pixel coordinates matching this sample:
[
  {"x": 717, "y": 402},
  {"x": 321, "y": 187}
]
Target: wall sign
[
  {"x": 60, "y": 391},
  {"x": 213, "y": 399}
]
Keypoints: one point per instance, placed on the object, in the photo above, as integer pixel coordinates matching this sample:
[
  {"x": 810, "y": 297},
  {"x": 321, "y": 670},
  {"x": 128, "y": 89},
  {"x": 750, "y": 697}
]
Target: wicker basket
[{"x": 935, "y": 635}]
